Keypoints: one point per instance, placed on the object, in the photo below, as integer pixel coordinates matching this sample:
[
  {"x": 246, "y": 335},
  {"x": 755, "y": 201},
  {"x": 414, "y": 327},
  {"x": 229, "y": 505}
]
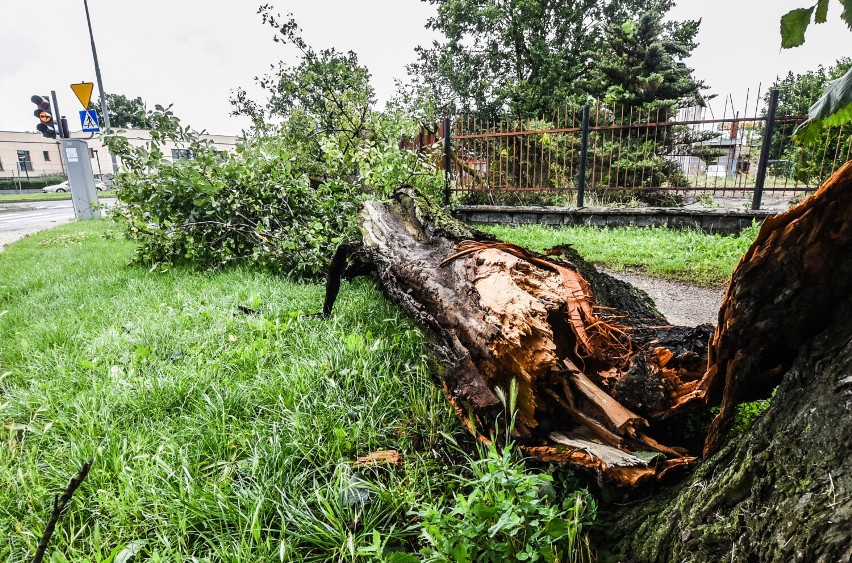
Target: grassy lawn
[
  {"x": 685, "y": 255},
  {"x": 45, "y": 197},
  {"x": 223, "y": 417},
  {"x": 217, "y": 433}
]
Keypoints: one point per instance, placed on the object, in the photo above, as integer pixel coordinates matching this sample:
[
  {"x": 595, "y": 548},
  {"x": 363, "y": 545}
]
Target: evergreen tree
[
  {"x": 641, "y": 63},
  {"x": 521, "y": 57}
]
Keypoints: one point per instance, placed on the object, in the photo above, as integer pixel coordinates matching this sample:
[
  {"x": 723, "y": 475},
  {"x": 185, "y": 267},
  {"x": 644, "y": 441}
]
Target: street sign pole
[{"x": 104, "y": 108}]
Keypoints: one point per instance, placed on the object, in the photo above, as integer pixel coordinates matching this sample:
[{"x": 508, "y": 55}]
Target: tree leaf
[
  {"x": 833, "y": 108},
  {"x": 847, "y": 12},
  {"x": 130, "y": 550},
  {"x": 821, "y": 11},
  {"x": 793, "y": 26}
]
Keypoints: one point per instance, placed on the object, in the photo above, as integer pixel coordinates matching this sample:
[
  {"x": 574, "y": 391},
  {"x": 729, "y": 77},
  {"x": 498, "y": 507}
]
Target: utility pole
[{"x": 104, "y": 108}]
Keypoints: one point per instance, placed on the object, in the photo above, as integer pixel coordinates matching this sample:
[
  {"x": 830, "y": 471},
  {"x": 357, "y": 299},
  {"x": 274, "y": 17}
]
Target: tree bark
[{"x": 782, "y": 490}]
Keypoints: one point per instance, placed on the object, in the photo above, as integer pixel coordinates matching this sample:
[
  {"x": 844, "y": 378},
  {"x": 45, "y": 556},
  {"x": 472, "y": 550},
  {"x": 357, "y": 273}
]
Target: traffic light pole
[{"x": 63, "y": 132}]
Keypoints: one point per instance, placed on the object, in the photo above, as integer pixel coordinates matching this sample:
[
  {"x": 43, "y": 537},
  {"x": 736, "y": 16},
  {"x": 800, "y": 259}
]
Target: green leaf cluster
[
  {"x": 529, "y": 57},
  {"x": 795, "y": 23},
  {"x": 835, "y": 105},
  {"x": 124, "y": 112},
  {"x": 502, "y": 512}
]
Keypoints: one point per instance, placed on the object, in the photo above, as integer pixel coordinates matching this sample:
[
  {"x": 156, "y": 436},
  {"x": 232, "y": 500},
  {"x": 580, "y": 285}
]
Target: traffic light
[{"x": 46, "y": 126}]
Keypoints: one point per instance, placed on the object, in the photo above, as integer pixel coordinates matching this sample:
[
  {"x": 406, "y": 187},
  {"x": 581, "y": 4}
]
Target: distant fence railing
[{"x": 603, "y": 148}]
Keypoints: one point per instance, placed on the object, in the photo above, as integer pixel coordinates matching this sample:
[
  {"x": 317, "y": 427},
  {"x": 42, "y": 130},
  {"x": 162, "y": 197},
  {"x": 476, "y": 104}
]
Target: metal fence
[{"x": 603, "y": 149}]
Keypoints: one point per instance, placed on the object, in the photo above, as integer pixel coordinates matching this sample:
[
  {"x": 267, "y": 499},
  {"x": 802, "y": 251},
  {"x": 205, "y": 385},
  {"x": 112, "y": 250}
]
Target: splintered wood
[
  {"x": 604, "y": 382},
  {"x": 547, "y": 326}
]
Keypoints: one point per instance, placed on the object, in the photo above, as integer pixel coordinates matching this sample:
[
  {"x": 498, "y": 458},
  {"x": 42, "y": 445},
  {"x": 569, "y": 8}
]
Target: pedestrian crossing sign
[{"x": 89, "y": 121}]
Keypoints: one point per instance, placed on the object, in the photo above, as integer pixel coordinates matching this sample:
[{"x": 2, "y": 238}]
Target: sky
[{"x": 194, "y": 53}]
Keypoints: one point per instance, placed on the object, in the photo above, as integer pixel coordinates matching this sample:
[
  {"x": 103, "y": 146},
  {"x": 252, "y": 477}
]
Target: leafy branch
[{"x": 835, "y": 105}]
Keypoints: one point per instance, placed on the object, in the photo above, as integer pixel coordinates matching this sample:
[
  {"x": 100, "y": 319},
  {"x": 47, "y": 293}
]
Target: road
[{"x": 18, "y": 220}]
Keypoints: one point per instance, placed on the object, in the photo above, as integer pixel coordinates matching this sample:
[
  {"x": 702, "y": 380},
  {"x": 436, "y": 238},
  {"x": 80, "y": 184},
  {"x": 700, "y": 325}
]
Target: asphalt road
[{"x": 18, "y": 220}]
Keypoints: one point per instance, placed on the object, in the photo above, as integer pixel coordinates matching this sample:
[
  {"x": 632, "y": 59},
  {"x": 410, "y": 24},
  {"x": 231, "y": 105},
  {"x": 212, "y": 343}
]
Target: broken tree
[
  {"x": 781, "y": 490},
  {"x": 597, "y": 367},
  {"x": 604, "y": 382}
]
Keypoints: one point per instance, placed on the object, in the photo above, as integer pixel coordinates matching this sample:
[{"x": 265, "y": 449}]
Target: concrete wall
[{"x": 712, "y": 221}]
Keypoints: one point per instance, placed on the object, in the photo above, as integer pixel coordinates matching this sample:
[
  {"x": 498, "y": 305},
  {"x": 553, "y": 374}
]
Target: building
[{"x": 31, "y": 156}]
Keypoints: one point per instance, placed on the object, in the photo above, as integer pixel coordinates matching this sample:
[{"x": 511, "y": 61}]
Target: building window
[
  {"x": 46, "y": 155},
  {"x": 181, "y": 154},
  {"x": 1, "y": 165},
  {"x": 24, "y": 161}
]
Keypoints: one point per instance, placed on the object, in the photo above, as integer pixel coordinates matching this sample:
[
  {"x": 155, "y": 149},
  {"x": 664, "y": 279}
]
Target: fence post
[
  {"x": 584, "y": 149},
  {"x": 760, "y": 179},
  {"x": 448, "y": 160}
]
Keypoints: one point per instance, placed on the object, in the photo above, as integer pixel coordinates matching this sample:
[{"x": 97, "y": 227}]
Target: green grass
[
  {"x": 216, "y": 435},
  {"x": 685, "y": 255},
  {"x": 46, "y": 197}
]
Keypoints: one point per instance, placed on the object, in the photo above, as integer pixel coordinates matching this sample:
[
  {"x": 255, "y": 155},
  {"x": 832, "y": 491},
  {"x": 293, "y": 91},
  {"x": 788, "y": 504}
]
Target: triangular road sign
[{"x": 83, "y": 90}]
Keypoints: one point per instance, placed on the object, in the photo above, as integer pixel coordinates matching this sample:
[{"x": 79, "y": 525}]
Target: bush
[
  {"x": 272, "y": 204},
  {"x": 30, "y": 183}
]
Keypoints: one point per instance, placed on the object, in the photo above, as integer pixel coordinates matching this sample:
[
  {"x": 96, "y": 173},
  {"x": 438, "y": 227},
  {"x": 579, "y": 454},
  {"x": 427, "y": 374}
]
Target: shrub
[
  {"x": 273, "y": 203},
  {"x": 504, "y": 512}
]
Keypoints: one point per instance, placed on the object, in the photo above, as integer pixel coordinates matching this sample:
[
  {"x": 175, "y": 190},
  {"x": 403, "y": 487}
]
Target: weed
[
  {"x": 705, "y": 200},
  {"x": 500, "y": 511}
]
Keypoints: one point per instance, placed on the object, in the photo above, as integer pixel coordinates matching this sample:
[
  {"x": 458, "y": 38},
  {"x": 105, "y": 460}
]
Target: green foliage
[
  {"x": 641, "y": 62},
  {"x": 796, "y": 94},
  {"x": 124, "y": 112},
  {"x": 525, "y": 57},
  {"x": 639, "y": 70},
  {"x": 502, "y": 512},
  {"x": 636, "y": 72},
  {"x": 835, "y": 105},
  {"x": 793, "y": 26},
  {"x": 795, "y": 23},
  {"x": 747, "y": 413},
  {"x": 832, "y": 109}
]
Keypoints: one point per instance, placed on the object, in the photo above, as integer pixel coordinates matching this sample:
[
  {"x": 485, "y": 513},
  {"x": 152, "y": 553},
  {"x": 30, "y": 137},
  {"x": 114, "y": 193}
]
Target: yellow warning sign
[{"x": 83, "y": 90}]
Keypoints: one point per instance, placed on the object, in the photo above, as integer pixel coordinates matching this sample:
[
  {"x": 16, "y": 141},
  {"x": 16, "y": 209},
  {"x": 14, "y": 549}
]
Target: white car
[{"x": 63, "y": 187}]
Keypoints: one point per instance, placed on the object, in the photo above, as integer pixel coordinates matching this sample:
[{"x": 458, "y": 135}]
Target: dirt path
[{"x": 681, "y": 303}]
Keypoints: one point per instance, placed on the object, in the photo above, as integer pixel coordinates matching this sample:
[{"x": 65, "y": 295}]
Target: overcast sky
[{"x": 193, "y": 53}]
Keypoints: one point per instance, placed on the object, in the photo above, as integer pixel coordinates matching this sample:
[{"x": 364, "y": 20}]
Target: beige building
[{"x": 30, "y": 155}]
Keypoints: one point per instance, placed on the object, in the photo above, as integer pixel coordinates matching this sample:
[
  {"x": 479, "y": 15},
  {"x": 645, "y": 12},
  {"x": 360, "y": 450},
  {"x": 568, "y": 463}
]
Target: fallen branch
[{"x": 59, "y": 504}]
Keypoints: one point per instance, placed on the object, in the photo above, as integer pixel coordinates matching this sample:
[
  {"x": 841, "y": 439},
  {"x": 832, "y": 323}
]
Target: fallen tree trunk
[{"x": 599, "y": 370}]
